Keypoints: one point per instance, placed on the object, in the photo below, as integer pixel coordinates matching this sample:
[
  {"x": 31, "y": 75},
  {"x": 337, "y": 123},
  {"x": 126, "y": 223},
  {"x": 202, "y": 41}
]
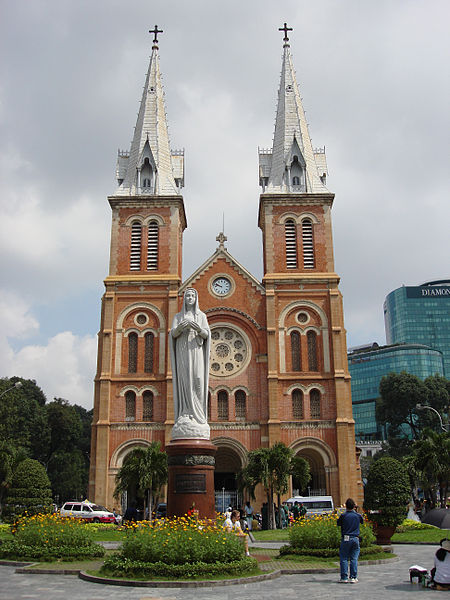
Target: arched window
[
  {"x": 314, "y": 404},
  {"x": 222, "y": 406},
  {"x": 152, "y": 250},
  {"x": 290, "y": 233},
  {"x": 148, "y": 352},
  {"x": 240, "y": 404},
  {"x": 311, "y": 337},
  {"x": 295, "y": 351},
  {"x": 130, "y": 406},
  {"x": 146, "y": 183},
  {"x": 132, "y": 352},
  {"x": 297, "y": 404},
  {"x": 296, "y": 180},
  {"x": 147, "y": 406},
  {"x": 308, "y": 244},
  {"x": 135, "y": 253}
]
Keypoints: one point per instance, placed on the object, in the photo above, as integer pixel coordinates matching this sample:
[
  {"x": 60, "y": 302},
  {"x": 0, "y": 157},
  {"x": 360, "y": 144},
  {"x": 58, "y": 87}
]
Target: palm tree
[
  {"x": 432, "y": 460},
  {"x": 271, "y": 467},
  {"x": 146, "y": 469}
]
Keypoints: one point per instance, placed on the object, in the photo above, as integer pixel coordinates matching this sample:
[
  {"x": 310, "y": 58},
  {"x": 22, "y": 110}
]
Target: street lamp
[
  {"x": 444, "y": 426},
  {"x": 16, "y": 386}
]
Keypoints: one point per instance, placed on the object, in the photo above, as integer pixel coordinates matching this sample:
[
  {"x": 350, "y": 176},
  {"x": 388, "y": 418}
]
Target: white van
[
  {"x": 315, "y": 505},
  {"x": 87, "y": 511}
]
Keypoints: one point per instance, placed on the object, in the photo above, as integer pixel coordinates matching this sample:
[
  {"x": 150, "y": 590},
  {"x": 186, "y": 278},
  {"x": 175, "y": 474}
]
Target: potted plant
[{"x": 386, "y": 496}]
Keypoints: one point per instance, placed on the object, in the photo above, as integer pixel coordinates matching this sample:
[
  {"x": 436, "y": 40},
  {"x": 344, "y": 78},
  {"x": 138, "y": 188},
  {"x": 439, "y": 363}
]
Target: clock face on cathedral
[
  {"x": 221, "y": 286},
  {"x": 229, "y": 352}
]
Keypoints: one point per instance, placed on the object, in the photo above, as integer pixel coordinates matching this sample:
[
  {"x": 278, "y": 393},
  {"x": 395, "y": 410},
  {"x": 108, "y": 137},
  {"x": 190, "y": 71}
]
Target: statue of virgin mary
[{"x": 189, "y": 341}]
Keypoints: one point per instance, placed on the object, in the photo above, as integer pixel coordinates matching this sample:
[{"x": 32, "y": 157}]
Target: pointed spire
[
  {"x": 291, "y": 166},
  {"x": 149, "y": 168}
]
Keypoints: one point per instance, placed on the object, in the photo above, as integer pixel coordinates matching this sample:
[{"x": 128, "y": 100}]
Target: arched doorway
[
  {"x": 229, "y": 460},
  {"x": 321, "y": 460},
  {"x": 118, "y": 459}
]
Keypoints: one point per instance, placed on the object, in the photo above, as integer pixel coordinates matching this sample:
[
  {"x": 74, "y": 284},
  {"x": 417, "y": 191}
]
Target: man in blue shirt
[{"x": 349, "y": 523}]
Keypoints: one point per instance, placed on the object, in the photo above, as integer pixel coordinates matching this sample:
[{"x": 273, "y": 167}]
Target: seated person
[
  {"x": 232, "y": 524},
  {"x": 440, "y": 574}
]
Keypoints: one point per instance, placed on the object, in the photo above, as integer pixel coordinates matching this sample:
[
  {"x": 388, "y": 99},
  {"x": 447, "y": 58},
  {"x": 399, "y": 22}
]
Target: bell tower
[
  {"x": 308, "y": 380},
  {"x": 133, "y": 399}
]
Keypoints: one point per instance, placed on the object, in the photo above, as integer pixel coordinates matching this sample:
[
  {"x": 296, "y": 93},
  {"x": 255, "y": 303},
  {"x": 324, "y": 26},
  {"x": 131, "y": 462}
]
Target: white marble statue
[{"x": 189, "y": 341}]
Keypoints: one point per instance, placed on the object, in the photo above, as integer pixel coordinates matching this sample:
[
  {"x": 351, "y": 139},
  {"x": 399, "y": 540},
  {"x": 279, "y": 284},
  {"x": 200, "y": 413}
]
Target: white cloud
[{"x": 64, "y": 367}]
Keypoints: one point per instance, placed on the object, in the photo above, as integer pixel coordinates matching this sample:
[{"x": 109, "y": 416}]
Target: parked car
[
  {"x": 161, "y": 510},
  {"x": 87, "y": 511},
  {"x": 315, "y": 505}
]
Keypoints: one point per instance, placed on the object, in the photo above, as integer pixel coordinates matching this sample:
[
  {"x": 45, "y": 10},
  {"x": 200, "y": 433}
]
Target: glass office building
[
  {"x": 420, "y": 315},
  {"x": 368, "y": 364}
]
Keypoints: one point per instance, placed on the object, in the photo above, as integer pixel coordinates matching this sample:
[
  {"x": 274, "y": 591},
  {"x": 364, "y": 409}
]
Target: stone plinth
[{"x": 191, "y": 477}]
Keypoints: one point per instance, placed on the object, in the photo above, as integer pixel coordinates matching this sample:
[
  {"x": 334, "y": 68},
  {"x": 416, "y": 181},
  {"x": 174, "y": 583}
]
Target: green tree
[
  {"x": 387, "y": 491},
  {"x": 23, "y": 420},
  {"x": 10, "y": 456},
  {"x": 271, "y": 467},
  {"x": 431, "y": 458},
  {"x": 146, "y": 469},
  {"x": 30, "y": 489}
]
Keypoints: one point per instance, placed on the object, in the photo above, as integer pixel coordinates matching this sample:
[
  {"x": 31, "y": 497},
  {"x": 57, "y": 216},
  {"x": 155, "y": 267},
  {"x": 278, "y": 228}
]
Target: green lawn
[
  {"x": 421, "y": 535},
  {"x": 271, "y": 535}
]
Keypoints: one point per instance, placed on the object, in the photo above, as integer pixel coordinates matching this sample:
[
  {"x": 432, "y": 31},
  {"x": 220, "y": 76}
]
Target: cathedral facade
[{"x": 278, "y": 364}]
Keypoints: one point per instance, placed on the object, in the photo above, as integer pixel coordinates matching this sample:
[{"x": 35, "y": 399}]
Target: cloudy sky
[{"x": 375, "y": 84}]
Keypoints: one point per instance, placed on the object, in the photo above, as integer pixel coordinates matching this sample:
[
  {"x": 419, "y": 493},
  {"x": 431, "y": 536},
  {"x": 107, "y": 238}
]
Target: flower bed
[
  {"x": 321, "y": 534},
  {"x": 180, "y": 548},
  {"x": 49, "y": 537}
]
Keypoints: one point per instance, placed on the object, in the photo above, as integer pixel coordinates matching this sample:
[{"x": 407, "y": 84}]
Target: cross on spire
[
  {"x": 155, "y": 32},
  {"x": 285, "y": 29},
  {"x": 221, "y": 238}
]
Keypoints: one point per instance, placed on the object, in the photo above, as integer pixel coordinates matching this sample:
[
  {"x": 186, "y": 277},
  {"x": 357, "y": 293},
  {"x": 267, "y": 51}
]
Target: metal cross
[
  {"x": 285, "y": 29},
  {"x": 155, "y": 33}
]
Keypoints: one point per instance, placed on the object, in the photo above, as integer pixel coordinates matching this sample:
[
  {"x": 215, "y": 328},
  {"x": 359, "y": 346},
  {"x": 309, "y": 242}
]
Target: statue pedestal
[{"x": 191, "y": 477}]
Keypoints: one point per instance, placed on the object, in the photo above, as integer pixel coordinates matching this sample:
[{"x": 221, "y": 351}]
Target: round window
[{"x": 229, "y": 351}]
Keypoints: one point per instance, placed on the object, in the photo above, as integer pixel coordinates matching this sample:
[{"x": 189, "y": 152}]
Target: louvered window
[
  {"x": 152, "y": 251},
  {"x": 130, "y": 406},
  {"x": 291, "y": 244},
  {"x": 240, "y": 404},
  {"x": 132, "y": 352},
  {"x": 308, "y": 244},
  {"x": 297, "y": 404},
  {"x": 311, "y": 337},
  {"x": 147, "y": 408},
  {"x": 136, "y": 238},
  {"x": 314, "y": 404},
  {"x": 222, "y": 406},
  {"x": 148, "y": 355},
  {"x": 295, "y": 351}
]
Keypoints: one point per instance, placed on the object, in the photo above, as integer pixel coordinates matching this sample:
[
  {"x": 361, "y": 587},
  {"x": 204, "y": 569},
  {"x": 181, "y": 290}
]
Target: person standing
[
  {"x": 249, "y": 515},
  {"x": 349, "y": 523}
]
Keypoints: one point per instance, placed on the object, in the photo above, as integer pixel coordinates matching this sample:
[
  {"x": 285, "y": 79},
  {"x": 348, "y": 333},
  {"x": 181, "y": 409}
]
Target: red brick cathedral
[{"x": 278, "y": 365}]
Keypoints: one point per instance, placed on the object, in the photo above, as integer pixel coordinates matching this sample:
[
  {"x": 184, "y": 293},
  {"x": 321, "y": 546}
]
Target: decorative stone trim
[
  {"x": 191, "y": 460},
  {"x": 137, "y": 426},
  {"x": 234, "y": 426},
  {"x": 235, "y": 310},
  {"x": 307, "y": 425}
]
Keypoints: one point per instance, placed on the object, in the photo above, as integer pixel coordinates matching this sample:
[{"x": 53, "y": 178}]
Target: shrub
[
  {"x": 367, "y": 551},
  {"x": 117, "y": 567},
  {"x": 411, "y": 525},
  {"x": 30, "y": 490},
  {"x": 387, "y": 492},
  {"x": 321, "y": 531},
  {"x": 47, "y": 537}
]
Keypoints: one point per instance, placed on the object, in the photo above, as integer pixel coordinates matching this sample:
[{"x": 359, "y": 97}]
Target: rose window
[{"x": 229, "y": 352}]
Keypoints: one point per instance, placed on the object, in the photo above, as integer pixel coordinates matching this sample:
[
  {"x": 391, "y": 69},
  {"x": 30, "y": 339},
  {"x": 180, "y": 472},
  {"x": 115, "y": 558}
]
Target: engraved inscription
[{"x": 190, "y": 484}]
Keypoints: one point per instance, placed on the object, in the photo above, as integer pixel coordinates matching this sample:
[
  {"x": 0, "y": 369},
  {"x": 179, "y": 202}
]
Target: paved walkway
[{"x": 388, "y": 581}]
